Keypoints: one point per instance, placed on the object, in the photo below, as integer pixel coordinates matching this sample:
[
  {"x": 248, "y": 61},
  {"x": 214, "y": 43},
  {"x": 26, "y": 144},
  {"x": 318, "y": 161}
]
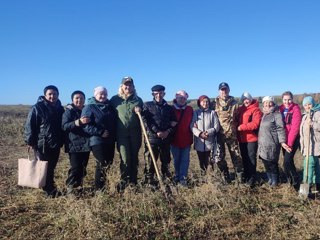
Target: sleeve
[
  {"x": 280, "y": 128},
  {"x": 173, "y": 120},
  {"x": 92, "y": 129},
  {"x": 254, "y": 124},
  {"x": 31, "y": 128},
  {"x": 316, "y": 122},
  {"x": 68, "y": 123},
  {"x": 195, "y": 131},
  {"x": 215, "y": 126},
  {"x": 295, "y": 125},
  {"x": 148, "y": 120}
]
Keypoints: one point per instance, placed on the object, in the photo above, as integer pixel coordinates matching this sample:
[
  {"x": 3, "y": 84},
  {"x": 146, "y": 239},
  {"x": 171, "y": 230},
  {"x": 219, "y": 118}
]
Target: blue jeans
[{"x": 181, "y": 158}]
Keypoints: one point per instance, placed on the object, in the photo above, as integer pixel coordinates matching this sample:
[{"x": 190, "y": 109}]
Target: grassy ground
[{"x": 208, "y": 209}]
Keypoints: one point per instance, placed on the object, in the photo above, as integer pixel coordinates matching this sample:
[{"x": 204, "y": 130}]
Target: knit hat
[
  {"x": 200, "y": 99},
  {"x": 245, "y": 95},
  {"x": 182, "y": 93},
  {"x": 268, "y": 98},
  {"x": 50, "y": 87},
  {"x": 127, "y": 79},
  {"x": 308, "y": 100},
  {"x": 100, "y": 89}
]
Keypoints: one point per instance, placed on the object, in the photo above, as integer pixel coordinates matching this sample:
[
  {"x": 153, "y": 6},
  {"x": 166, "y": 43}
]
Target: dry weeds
[{"x": 207, "y": 209}]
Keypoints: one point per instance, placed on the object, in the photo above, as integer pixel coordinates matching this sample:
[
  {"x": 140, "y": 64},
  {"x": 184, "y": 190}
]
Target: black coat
[
  {"x": 76, "y": 139},
  {"x": 102, "y": 117},
  {"x": 157, "y": 118},
  {"x": 43, "y": 125}
]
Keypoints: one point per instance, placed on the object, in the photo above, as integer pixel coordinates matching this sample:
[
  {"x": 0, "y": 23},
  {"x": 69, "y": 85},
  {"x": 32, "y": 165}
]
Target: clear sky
[{"x": 261, "y": 46}]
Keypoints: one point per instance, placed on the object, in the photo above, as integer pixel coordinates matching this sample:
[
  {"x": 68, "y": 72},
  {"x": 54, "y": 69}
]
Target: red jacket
[
  {"x": 249, "y": 122},
  {"x": 292, "y": 122},
  {"x": 183, "y": 136}
]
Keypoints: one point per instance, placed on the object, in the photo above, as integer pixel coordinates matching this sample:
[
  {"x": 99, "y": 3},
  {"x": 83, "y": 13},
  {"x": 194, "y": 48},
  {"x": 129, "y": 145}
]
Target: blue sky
[{"x": 261, "y": 46}]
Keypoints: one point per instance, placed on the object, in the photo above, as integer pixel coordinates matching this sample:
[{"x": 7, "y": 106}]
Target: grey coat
[
  {"x": 314, "y": 135},
  {"x": 271, "y": 135},
  {"x": 204, "y": 121}
]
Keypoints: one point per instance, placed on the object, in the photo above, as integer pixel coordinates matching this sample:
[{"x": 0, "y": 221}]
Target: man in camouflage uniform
[{"x": 226, "y": 108}]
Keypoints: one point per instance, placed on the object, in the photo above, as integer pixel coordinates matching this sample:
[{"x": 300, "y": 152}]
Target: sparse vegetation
[{"x": 208, "y": 209}]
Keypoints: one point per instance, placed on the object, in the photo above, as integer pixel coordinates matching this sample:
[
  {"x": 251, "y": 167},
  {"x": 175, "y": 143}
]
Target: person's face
[
  {"x": 51, "y": 96},
  {"x": 101, "y": 96},
  {"x": 127, "y": 88},
  {"x": 307, "y": 107},
  {"x": 268, "y": 104},
  {"x": 247, "y": 102},
  {"x": 287, "y": 100},
  {"x": 181, "y": 100},
  {"x": 158, "y": 95},
  {"x": 224, "y": 92},
  {"x": 78, "y": 100},
  {"x": 204, "y": 103}
]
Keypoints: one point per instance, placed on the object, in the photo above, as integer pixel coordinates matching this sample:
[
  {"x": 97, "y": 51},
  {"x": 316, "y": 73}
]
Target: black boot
[{"x": 274, "y": 180}]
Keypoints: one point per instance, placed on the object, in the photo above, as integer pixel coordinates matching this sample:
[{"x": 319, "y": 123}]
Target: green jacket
[{"x": 128, "y": 122}]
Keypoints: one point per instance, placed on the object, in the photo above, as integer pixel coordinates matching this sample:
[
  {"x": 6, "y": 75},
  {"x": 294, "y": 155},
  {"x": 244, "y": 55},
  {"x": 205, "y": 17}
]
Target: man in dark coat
[
  {"x": 44, "y": 135},
  {"x": 159, "y": 120}
]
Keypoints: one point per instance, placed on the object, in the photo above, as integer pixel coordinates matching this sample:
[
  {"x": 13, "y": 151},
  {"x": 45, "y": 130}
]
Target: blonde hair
[{"x": 123, "y": 96}]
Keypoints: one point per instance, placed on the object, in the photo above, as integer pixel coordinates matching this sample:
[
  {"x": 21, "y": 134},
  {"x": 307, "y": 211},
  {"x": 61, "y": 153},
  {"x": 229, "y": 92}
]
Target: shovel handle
[{"x": 150, "y": 150}]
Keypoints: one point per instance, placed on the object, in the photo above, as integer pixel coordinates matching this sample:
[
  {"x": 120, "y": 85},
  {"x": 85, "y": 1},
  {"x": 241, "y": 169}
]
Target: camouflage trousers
[{"x": 234, "y": 150}]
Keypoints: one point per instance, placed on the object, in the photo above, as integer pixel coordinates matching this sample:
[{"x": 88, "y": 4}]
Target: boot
[
  {"x": 226, "y": 177},
  {"x": 239, "y": 177},
  {"x": 269, "y": 178},
  {"x": 275, "y": 180}
]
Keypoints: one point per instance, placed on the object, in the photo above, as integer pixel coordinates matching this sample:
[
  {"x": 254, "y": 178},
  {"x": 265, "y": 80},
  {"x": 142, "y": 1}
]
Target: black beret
[{"x": 158, "y": 88}]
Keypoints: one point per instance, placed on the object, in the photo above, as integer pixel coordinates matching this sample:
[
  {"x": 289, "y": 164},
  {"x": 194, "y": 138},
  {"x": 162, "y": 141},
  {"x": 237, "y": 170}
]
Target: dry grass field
[{"x": 207, "y": 209}]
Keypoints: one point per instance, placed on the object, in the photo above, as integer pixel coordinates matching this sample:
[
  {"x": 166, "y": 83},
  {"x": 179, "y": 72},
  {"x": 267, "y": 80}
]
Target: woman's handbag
[{"x": 32, "y": 173}]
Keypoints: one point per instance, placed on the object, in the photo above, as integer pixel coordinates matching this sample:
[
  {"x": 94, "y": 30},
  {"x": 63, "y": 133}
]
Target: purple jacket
[{"x": 292, "y": 122}]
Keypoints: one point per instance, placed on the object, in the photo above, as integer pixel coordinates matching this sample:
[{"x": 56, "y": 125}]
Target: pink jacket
[{"x": 292, "y": 122}]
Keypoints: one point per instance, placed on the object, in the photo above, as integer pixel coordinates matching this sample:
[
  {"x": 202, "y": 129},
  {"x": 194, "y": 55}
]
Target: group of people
[{"x": 101, "y": 125}]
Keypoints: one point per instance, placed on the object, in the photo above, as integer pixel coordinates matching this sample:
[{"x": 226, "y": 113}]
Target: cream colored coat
[{"x": 314, "y": 140}]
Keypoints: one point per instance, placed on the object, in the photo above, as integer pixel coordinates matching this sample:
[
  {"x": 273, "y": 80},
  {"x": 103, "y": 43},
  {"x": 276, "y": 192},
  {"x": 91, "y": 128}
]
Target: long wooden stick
[{"x": 151, "y": 152}]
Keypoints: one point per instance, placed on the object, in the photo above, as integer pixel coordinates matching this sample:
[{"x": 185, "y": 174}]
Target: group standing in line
[{"x": 101, "y": 125}]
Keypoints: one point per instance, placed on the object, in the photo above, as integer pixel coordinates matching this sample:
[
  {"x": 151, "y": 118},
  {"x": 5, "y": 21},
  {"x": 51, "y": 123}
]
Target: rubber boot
[
  {"x": 239, "y": 177},
  {"x": 269, "y": 178},
  {"x": 275, "y": 180},
  {"x": 226, "y": 177}
]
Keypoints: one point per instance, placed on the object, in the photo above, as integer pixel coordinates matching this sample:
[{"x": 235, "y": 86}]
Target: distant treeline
[{"x": 298, "y": 98}]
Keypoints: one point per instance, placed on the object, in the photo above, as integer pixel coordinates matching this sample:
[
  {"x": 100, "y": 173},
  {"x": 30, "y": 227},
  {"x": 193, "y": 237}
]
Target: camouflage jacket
[{"x": 227, "y": 112}]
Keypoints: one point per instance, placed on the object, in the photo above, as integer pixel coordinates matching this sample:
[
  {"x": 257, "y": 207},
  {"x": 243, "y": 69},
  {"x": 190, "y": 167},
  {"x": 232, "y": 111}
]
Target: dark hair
[
  {"x": 77, "y": 92},
  {"x": 50, "y": 87},
  {"x": 287, "y": 93}
]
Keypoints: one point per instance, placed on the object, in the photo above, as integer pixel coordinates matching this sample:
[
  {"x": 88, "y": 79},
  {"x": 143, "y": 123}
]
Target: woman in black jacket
[
  {"x": 44, "y": 135},
  {"x": 77, "y": 141},
  {"x": 101, "y": 128}
]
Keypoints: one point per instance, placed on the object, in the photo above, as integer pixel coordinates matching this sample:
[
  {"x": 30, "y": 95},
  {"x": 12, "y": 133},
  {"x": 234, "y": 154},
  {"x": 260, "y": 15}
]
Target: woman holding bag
[{"x": 44, "y": 135}]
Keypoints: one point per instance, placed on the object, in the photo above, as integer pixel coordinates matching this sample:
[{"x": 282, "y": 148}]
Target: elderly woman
[
  {"x": 271, "y": 137},
  {"x": 129, "y": 137},
  {"x": 291, "y": 116},
  {"x": 249, "y": 121},
  {"x": 205, "y": 126},
  {"x": 44, "y": 135},
  {"x": 101, "y": 129},
  {"x": 182, "y": 140},
  {"x": 310, "y": 140},
  {"x": 76, "y": 141}
]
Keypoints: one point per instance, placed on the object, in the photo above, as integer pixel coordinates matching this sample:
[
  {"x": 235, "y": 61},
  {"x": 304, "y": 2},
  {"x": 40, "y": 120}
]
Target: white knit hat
[
  {"x": 100, "y": 89},
  {"x": 182, "y": 93},
  {"x": 245, "y": 95},
  {"x": 268, "y": 98}
]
